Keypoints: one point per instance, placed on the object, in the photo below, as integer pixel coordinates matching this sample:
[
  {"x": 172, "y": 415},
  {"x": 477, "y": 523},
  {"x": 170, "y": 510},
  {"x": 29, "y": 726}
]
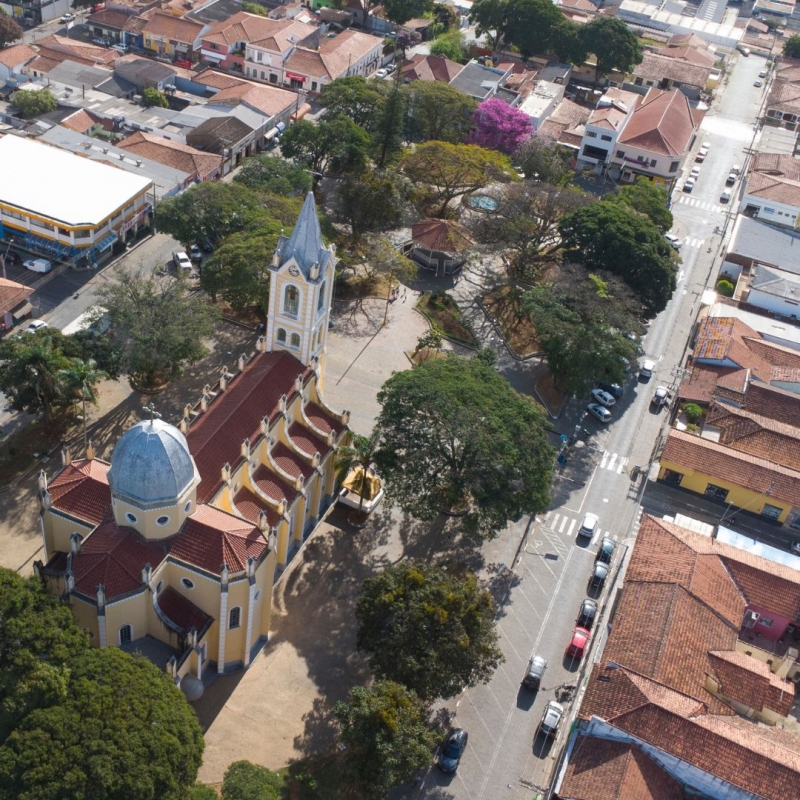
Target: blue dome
[{"x": 151, "y": 464}]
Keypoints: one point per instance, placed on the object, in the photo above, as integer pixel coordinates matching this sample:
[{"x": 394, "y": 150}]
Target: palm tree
[
  {"x": 30, "y": 374},
  {"x": 359, "y": 453},
  {"x": 80, "y": 379}
]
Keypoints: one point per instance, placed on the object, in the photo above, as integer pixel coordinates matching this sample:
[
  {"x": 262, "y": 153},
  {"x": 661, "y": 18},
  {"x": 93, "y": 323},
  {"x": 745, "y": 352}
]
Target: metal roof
[{"x": 766, "y": 244}]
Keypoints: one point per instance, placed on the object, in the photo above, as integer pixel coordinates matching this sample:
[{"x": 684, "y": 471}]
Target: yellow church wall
[
  {"x": 58, "y": 531},
  {"x": 130, "y": 611},
  {"x": 85, "y": 615},
  {"x": 147, "y": 520}
]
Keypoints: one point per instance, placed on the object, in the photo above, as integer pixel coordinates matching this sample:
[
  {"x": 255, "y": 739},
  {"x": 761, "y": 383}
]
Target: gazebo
[{"x": 440, "y": 245}]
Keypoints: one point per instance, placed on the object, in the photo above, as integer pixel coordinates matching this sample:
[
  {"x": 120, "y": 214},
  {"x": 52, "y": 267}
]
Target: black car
[
  {"x": 452, "y": 750},
  {"x": 12, "y": 257},
  {"x": 587, "y": 614},
  {"x": 599, "y": 575},
  {"x": 614, "y": 389},
  {"x": 606, "y": 551}
]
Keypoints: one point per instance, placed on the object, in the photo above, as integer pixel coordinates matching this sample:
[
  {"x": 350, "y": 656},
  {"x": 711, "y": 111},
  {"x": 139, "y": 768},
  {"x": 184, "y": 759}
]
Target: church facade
[{"x": 172, "y": 547}]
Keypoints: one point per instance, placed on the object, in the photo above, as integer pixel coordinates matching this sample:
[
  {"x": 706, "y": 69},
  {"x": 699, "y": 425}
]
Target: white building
[
  {"x": 542, "y": 102},
  {"x": 772, "y": 198},
  {"x": 605, "y": 124}
]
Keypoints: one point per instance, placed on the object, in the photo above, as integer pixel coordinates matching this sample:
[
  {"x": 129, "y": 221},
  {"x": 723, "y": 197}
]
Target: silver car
[{"x": 551, "y": 719}]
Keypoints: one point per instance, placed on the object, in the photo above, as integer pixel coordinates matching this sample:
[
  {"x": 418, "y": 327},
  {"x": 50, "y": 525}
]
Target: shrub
[
  {"x": 692, "y": 412},
  {"x": 725, "y": 288}
]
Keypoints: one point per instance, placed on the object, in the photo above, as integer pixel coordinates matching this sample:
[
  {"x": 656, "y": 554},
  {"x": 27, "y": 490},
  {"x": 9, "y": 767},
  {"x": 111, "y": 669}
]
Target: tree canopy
[
  {"x": 387, "y": 735},
  {"x": 545, "y": 161},
  {"x": 266, "y": 173},
  {"x": 447, "y": 170},
  {"x": 374, "y": 201},
  {"x": 791, "y": 47},
  {"x": 428, "y": 628},
  {"x": 121, "y": 730},
  {"x": 151, "y": 97},
  {"x": 10, "y": 30},
  {"x": 354, "y": 97},
  {"x": 451, "y": 45},
  {"x": 438, "y": 111},
  {"x": 246, "y": 781},
  {"x": 159, "y": 325},
  {"x": 401, "y": 11},
  {"x": 31, "y": 103},
  {"x": 614, "y": 44},
  {"x": 498, "y": 126},
  {"x": 647, "y": 198},
  {"x": 611, "y": 236},
  {"x": 456, "y": 437}
]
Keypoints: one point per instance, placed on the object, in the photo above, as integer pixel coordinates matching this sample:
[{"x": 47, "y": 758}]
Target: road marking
[
  {"x": 556, "y": 517},
  {"x": 604, "y": 459},
  {"x": 680, "y": 276},
  {"x": 622, "y": 463},
  {"x": 564, "y": 522},
  {"x": 596, "y": 536},
  {"x": 572, "y": 527},
  {"x": 610, "y": 464}
]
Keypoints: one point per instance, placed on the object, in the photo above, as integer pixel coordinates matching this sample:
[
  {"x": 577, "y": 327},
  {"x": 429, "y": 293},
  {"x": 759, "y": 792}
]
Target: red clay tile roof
[
  {"x": 323, "y": 420},
  {"x": 694, "y": 55},
  {"x": 601, "y": 769},
  {"x": 774, "y": 187},
  {"x": 751, "y": 682},
  {"x": 290, "y": 462},
  {"x": 441, "y": 235},
  {"x": 248, "y": 505},
  {"x": 306, "y": 441},
  {"x": 662, "y": 65},
  {"x": 700, "y": 381},
  {"x": 219, "y": 80},
  {"x": 274, "y": 486},
  {"x": 423, "y": 67},
  {"x": 178, "y": 29},
  {"x": 661, "y": 123},
  {"x": 114, "y": 557},
  {"x": 81, "y": 490},
  {"x": 59, "y": 48},
  {"x": 211, "y": 537},
  {"x": 185, "y": 614},
  {"x": 16, "y": 54},
  {"x": 12, "y": 294},
  {"x": 772, "y": 402},
  {"x": 270, "y": 100},
  {"x": 172, "y": 154},
  {"x": 215, "y": 438},
  {"x": 759, "y": 475},
  {"x": 334, "y": 56},
  {"x": 776, "y": 164}
]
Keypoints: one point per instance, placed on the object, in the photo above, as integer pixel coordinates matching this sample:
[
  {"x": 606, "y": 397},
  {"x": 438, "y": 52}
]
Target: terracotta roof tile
[
  {"x": 12, "y": 294},
  {"x": 323, "y": 420},
  {"x": 778, "y": 404},
  {"x": 178, "y": 29},
  {"x": 219, "y": 80},
  {"x": 601, "y": 769},
  {"x": 334, "y": 55},
  {"x": 661, "y": 123},
  {"x": 306, "y": 441},
  {"x": 81, "y": 490},
  {"x": 291, "y": 463},
  {"x": 16, "y": 54},
  {"x": 718, "y": 461},
  {"x": 210, "y": 538},
  {"x": 694, "y": 55},
  {"x": 172, "y": 154},
  {"x": 215, "y": 438},
  {"x": 774, "y": 187},
  {"x": 182, "y": 612},
  {"x": 751, "y": 682},
  {"x": 114, "y": 557},
  {"x": 248, "y": 505},
  {"x": 700, "y": 381},
  {"x": 661, "y": 65},
  {"x": 423, "y": 67},
  {"x": 776, "y": 164},
  {"x": 270, "y": 100},
  {"x": 441, "y": 235},
  {"x": 784, "y": 96},
  {"x": 274, "y": 486}
]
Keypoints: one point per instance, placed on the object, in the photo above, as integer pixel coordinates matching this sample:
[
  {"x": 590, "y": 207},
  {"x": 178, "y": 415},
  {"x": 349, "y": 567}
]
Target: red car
[
  {"x": 184, "y": 62},
  {"x": 577, "y": 646}
]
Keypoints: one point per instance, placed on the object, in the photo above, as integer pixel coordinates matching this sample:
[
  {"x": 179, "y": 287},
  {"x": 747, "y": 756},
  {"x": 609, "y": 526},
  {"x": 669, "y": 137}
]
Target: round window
[
  {"x": 162, "y": 520},
  {"x": 131, "y": 517},
  {"x": 188, "y": 507},
  {"x": 187, "y": 583}
]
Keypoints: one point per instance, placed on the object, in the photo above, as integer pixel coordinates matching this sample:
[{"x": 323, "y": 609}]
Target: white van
[{"x": 38, "y": 265}]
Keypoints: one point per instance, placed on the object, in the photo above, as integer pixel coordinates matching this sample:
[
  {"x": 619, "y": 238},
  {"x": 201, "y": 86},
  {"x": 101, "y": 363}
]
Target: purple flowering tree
[{"x": 498, "y": 126}]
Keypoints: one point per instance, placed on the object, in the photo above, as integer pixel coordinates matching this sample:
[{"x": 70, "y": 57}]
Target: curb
[{"x": 539, "y": 354}]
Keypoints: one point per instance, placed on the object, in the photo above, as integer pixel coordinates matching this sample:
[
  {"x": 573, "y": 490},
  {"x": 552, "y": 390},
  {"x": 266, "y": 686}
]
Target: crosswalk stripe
[
  {"x": 622, "y": 463},
  {"x": 572, "y": 527},
  {"x": 603, "y": 460},
  {"x": 554, "y": 521},
  {"x": 611, "y": 462},
  {"x": 561, "y": 527}
]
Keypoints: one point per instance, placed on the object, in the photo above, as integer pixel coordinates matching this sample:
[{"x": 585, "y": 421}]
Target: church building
[{"x": 171, "y": 549}]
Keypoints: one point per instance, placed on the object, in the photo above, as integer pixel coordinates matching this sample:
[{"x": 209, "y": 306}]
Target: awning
[
  {"x": 105, "y": 242},
  {"x": 367, "y": 486},
  {"x": 22, "y": 312}
]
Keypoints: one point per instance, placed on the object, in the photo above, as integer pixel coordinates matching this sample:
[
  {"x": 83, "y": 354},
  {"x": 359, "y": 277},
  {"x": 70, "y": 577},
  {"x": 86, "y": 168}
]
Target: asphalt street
[{"x": 605, "y": 474}]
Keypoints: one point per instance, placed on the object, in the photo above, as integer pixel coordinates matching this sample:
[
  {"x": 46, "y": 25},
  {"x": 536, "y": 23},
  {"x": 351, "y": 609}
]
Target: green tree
[
  {"x": 151, "y": 97},
  {"x": 533, "y": 25},
  {"x": 211, "y": 209},
  {"x": 381, "y": 257},
  {"x": 387, "y": 138},
  {"x": 387, "y": 735},
  {"x": 451, "y": 45},
  {"x": 239, "y": 269},
  {"x": 448, "y": 170},
  {"x": 430, "y": 629},
  {"x": 124, "y": 730},
  {"x": 647, "y": 198},
  {"x": 373, "y": 201},
  {"x": 456, "y": 437},
  {"x": 610, "y": 236},
  {"x": 200, "y": 791},
  {"x": 265, "y": 173},
  {"x": 791, "y": 47},
  {"x": 32, "y": 103},
  {"x": 545, "y": 161},
  {"x": 92, "y": 346},
  {"x": 356, "y": 98},
  {"x": 38, "y": 638},
  {"x": 337, "y": 145},
  {"x": 614, "y": 44},
  {"x": 358, "y": 455},
  {"x": 401, "y": 11},
  {"x": 81, "y": 379},
  {"x": 246, "y": 781},
  {"x": 692, "y": 412},
  {"x": 439, "y": 111},
  {"x": 10, "y": 30},
  {"x": 493, "y": 18},
  {"x": 255, "y": 8},
  {"x": 32, "y": 372},
  {"x": 159, "y": 324}
]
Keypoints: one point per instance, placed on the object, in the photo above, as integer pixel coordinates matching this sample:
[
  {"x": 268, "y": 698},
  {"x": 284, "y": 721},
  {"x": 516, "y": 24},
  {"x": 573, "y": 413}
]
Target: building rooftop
[
  {"x": 41, "y": 179},
  {"x": 334, "y": 56},
  {"x": 784, "y": 165},
  {"x": 180, "y": 157},
  {"x": 478, "y": 80},
  {"x": 780, "y": 331},
  {"x": 775, "y": 282},
  {"x": 16, "y": 54},
  {"x": 766, "y": 244},
  {"x": 178, "y": 29},
  {"x": 660, "y": 66},
  {"x": 430, "y": 68},
  {"x": 441, "y": 236},
  {"x": 661, "y": 123},
  {"x": 776, "y": 188},
  {"x": 12, "y": 294},
  {"x": 267, "y": 100}
]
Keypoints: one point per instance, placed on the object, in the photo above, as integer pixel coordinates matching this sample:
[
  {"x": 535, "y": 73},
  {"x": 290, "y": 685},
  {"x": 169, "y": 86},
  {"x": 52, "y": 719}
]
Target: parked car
[
  {"x": 207, "y": 245},
  {"x": 551, "y": 719},
  {"x": 588, "y": 525},
  {"x": 646, "y": 370},
  {"x": 599, "y": 574},
  {"x": 762, "y": 74},
  {"x": 381, "y": 73},
  {"x": 38, "y": 265},
  {"x": 577, "y": 644},
  {"x": 67, "y": 18},
  {"x": 452, "y": 750},
  {"x": 673, "y": 240},
  {"x": 195, "y": 254},
  {"x": 604, "y": 398},
  {"x": 695, "y": 173},
  {"x": 731, "y": 179},
  {"x": 614, "y": 389},
  {"x": 660, "y": 396},
  {"x": 606, "y": 551},
  {"x": 758, "y": 84},
  {"x": 736, "y": 169},
  {"x": 181, "y": 260},
  {"x": 587, "y": 614},
  {"x": 183, "y": 62},
  {"x": 725, "y": 196},
  {"x": 12, "y": 257},
  {"x": 688, "y": 185},
  {"x": 534, "y": 673},
  {"x": 795, "y": 547},
  {"x": 34, "y": 325},
  {"x": 600, "y": 413}
]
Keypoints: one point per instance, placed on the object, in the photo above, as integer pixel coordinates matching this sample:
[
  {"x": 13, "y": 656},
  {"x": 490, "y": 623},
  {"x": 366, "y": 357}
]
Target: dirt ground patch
[
  {"x": 547, "y": 392},
  {"x": 20, "y": 450},
  {"x": 444, "y": 314},
  {"x": 504, "y": 305}
]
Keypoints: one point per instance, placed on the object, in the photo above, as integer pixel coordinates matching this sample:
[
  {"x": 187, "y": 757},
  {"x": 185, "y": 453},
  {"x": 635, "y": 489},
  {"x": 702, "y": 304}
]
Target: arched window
[
  {"x": 125, "y": 634},
  {"x": 235, "y": 618},
  {"x": 296, "y": 340},
  {"x": 281, "y": 336},
  {"x": 321, "y": 298},
  {"x": 291, "y": 301}
]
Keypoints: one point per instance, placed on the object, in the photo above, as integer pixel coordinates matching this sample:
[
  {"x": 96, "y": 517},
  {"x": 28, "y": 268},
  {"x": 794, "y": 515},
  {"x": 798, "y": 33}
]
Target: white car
[
  {"x": 646, "y": 370},
  {"x": 673, "y": 240},
  {"x": 695, "y": 173},
  {"x": 67, "y": 18},
  {"x": 604, "y": 398},
  {"x": 381, "y": 73},
  {"x": 588, "y": 525},
  {"x": 181, "y": 260},
  {"x": 34, "y": 325},
  {"x": 551, "y": 719},
  {"x": 600, "y": 413},
  {"x": 660, "y": 396}
]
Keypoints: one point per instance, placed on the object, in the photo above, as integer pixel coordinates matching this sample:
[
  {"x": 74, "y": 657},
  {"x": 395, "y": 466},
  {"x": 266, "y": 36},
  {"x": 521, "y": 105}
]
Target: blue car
[
  {"x": 614, "y": 389},
  {"x": 452, "y": 751}
]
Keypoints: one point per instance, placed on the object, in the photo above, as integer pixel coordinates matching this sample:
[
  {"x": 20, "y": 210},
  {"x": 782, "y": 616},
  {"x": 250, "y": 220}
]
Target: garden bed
[
  {"x": 445, "y": 316},
  {"x": 504, "y": 306}
]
